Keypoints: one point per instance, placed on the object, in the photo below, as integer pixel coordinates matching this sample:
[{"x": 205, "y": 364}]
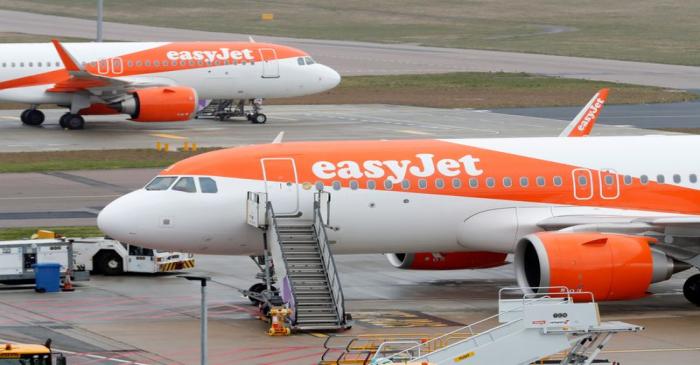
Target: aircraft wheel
[
  {"x": 73, "y": 121},
  {"x": 259, "y": 118},
  {"x": 691, "y": 289},
  {"x": 63, "y": 119},
  {"x": 256, "y": 288},
  {"x": 32, "y": 117}
]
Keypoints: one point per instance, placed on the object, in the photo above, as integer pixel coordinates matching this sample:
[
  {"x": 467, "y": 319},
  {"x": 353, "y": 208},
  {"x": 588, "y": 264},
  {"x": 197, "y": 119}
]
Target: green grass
[
  {"x": 645, "y": 30},
  {"x": 8, "y": 234},
  {"x": 92, "y": 160}
]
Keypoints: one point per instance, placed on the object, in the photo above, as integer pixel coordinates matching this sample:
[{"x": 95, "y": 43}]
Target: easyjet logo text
[
  {"x": 222, "y": 54},
  {"x": 592, "y": 111},
  {"x": 395, "y": 170}
]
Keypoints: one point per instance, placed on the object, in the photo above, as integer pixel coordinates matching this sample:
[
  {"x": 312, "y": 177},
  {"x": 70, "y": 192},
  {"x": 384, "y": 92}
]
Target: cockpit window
[
  {"x": 309, "y": 60},
  {"x": 300, "y": 61},
  {"x": 185, "y": 184},
  {"x": 161, "y": 183},
  {"x": 208, "y": 185}
]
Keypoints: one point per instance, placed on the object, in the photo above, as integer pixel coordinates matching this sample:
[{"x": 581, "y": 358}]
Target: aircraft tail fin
[{"x": 583, "y": 123}]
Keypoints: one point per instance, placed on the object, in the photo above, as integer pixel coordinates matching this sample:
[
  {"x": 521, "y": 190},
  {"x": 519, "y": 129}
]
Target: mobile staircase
[
  {"x": 221, "y": 109},
  {"x": 304, "y": 266},
  {"x": 547, "y": 328}
]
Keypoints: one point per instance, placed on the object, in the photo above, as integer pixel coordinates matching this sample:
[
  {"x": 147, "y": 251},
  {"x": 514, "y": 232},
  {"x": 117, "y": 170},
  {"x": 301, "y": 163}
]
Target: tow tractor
[{"x": 21, "y": 354}]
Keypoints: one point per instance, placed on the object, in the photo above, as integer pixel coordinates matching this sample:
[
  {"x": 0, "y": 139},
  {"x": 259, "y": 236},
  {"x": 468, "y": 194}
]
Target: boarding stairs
[
  {"x": 304, "y": 267},
  {"x": 549, "y": 328},
  {"x": 219, "y": 108}
]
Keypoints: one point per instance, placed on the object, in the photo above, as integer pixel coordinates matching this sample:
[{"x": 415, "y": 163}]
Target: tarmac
[
  {"x": 364, "y": 58},
  {"x": 154, "y": 319}
]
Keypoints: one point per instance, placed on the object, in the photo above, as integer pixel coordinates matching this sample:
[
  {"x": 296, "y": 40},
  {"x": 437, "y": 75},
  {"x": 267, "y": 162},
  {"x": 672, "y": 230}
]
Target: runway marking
[
  {"x": 651, "y": 350},
  {"x": 165, "y": 135},
  {"x": 409, "y": 131},
  {"x": 285, "y": 118}
]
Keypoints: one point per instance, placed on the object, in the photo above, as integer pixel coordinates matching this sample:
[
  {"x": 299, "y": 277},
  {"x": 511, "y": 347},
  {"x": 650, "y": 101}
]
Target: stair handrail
[
  {"x": 469, "y": 327},
  {"x": 272, "y": 223},
  {"x": 329, "y": 264}
]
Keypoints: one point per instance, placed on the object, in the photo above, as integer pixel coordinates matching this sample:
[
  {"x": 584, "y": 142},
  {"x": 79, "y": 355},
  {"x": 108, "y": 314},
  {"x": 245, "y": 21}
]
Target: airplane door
[
  {"x": 271, "y": 67},
  {"x": 609, "y": 182},
  {"x": 281, "y": 184},
  {"x": 583, "y": 184}
]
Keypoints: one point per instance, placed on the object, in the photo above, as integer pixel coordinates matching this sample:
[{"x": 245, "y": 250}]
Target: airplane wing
[
  {"x": 109, "y": 88},
  {"x": 582, "y": 124}
]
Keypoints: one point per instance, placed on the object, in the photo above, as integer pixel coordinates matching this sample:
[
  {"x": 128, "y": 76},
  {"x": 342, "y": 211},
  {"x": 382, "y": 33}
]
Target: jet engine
[
  {"x": 159, "y": 104},
  {"x": 446, "y": 261},
  {"x": 611, "y": 266}
]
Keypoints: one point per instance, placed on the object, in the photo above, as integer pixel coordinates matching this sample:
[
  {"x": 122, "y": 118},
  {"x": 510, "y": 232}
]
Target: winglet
[
  {"x": 68, "y": 61},
  {"x": 582, "y": 124},
  {"x": 278, "y": 139}
]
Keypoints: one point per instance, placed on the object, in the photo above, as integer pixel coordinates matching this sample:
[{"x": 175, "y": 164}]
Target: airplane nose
[
  {"x": 115, "y": 219},
  {"x": 330, "y": 78}
]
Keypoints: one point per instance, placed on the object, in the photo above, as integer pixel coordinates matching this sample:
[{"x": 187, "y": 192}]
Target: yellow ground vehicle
[{"x": 29, "y": 354}]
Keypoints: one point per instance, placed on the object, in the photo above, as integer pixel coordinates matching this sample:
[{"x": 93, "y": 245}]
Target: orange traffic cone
[{"x": 67, "y": 283}]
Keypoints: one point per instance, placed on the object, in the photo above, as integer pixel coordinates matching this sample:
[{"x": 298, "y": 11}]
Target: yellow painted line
[
  {"x": 319, "y": 335},
  {"x": 171, "y": 136},
  {"x": 410, "y": 131}
]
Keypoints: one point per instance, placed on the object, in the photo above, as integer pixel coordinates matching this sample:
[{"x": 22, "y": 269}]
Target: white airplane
[
  {"x": 609, "y": 215},
  {"x": 153, "y": 82}
]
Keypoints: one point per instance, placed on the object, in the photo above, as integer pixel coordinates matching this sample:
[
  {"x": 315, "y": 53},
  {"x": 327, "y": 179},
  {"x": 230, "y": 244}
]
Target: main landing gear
[
  {"x": 72, "y": 121},
  {"x": 691, "y": 289},
  {"x": 32, "y": 117}
]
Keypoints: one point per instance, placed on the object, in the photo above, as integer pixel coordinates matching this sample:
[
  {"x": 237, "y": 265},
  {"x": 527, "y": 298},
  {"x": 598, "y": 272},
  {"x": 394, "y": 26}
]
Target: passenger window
[
  {"x": 208, "y": 185},
  {"x": 58, "y": 64},
  {"x": 156, "y": 63},
  {"x": 161, "y": 183},
  {"x": 300, "y": 61},
  {"x": 608, "y": 180},
  {"x": 524, "y": 181},
  {"x": 693, "y": 178},
  {"x": 627, "y": 180},
  {"x": 406, "y": 184},
  {"x": 130, "y": 63},
  {"x": 557, "y": 181},
  {"x": 540, "y": 181},
  {"x": 138, "y": 63},
  {"x": 388, "y": 185},
  {"x": 507, "y": 182},
  {"x": 336, "y": 185},
  {"x": 644, "y": 179},
  {"x": 185, "y": 184},
  {"x": 456, "y": 183},
  {"x": 30, "y": 64},
  {"x": 148, "y": 63},
  {"x": 319, "y": 186},
  {"x": 423, "y": 183},
  {"x": 677, "y": 179},
  {"x": 439, "y": 183},
  {"x": 660, "y": 179},
  {"x": 354, "y": 185},
  {"x": 38, "y": 64},
  {"x": 582, "y": 180},
  {"x": 473, "y": 183},
  {"x": 371, "y": 185},
  {"x": 490, "y": 182},
  {"x": 306, "y": 185}
]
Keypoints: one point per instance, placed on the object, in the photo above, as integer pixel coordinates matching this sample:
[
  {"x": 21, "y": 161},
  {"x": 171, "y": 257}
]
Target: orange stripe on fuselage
[
  {"x": 159, "y": 54},
  {"x": 244, "y": 163}
]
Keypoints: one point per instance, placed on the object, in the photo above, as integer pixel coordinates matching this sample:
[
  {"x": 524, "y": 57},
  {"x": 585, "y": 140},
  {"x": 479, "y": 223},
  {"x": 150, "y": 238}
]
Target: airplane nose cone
[
  {"x": 115, "y": 220},
  {"x": 329, "y": 78}
]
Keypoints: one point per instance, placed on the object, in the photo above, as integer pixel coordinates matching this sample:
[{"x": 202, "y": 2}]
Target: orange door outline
[
  {"x": 270, "y": 65},
  {"x": 281, "y": 184},
  {"x": 583, "y": 184},
  {"x": 609, "y": 182}
]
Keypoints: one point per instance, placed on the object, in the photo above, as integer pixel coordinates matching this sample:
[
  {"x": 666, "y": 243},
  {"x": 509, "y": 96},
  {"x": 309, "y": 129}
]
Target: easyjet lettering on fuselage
[
  {"x": 397, "y": 170},
  {"x": 222, "y": 54}
]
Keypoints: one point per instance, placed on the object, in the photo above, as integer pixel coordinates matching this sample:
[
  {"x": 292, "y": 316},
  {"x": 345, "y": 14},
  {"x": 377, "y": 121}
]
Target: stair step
[{"x": 315, "y": 303}]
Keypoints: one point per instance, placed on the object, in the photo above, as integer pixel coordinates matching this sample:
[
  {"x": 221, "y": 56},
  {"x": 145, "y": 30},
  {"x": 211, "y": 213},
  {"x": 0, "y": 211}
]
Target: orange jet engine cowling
[
  {"x": 611, "y": 266},
  {"x": 446, "y": 261},
  {"x": 160, "y": 104}
]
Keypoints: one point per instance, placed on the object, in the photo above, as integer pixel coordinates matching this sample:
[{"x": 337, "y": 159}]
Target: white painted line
[
  {"x": 10, "y": 118},
  {"x": 409, "y": 131},
  {"x": 60, "y": 197}
]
